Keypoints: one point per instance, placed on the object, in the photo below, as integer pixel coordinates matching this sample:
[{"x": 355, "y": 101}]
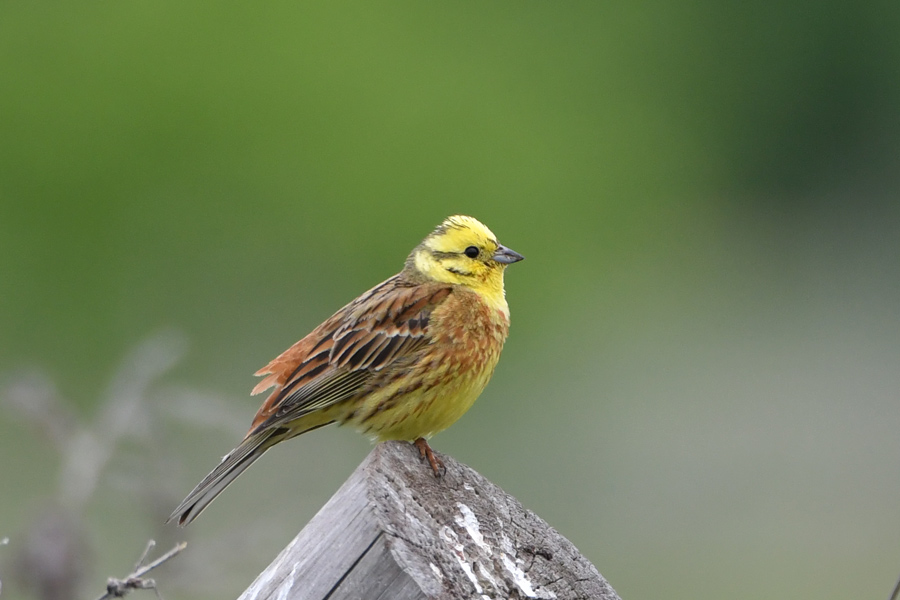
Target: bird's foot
[{"x": 425, "y": 452}]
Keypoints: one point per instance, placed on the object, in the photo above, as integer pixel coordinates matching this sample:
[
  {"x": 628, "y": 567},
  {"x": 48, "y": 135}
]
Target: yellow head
[{"x": 463, "y": 251}]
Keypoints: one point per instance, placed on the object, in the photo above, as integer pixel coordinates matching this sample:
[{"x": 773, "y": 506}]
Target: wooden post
[{"x": 396, "y": 532}]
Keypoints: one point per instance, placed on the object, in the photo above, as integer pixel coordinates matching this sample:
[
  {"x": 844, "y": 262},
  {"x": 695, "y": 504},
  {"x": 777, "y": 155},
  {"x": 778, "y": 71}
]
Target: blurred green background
[{"x": 701, "y": 388}]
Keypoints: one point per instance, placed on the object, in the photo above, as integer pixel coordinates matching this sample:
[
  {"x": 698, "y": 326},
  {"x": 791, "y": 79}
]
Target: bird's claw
[{"x": 425, "y": 452}]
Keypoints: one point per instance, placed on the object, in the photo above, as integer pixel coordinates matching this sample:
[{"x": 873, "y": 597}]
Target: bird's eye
[{"x": 471, "y": 252}]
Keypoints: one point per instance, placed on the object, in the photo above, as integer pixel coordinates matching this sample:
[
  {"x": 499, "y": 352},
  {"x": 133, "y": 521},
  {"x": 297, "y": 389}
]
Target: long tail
[{"x": 231, "y": 466}]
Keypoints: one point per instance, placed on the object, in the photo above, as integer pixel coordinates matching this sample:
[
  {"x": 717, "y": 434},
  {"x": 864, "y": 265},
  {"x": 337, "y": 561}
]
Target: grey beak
[{"x": 506, "y": 256}]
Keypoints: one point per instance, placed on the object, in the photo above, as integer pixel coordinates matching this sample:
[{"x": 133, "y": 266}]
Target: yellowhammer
[{"x": 402, "y": 362}]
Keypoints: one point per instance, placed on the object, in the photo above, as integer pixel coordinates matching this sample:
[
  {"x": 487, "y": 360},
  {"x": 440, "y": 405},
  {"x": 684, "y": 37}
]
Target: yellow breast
[{"x": 430, "y": 393}]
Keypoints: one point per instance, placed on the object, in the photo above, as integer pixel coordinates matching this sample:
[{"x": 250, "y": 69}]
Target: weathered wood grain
[{"x": 395, "y": 532}]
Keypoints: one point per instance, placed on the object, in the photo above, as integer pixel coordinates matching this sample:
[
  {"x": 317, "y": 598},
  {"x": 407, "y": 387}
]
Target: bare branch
[
  {"x": 119, "y": 588},
  {"x": 150, "y": 545},
  {"x": 3, "y": 542},
  {"x": 33, "y": 397},
  {"x": 92, "y": 448}
]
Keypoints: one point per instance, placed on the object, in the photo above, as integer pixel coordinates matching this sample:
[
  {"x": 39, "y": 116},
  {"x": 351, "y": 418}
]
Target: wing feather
[{"x": 341, "y": 357}]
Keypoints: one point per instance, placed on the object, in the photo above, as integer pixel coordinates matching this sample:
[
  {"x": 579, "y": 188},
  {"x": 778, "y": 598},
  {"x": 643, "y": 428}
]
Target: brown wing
[{"x": 338, "y": 359}]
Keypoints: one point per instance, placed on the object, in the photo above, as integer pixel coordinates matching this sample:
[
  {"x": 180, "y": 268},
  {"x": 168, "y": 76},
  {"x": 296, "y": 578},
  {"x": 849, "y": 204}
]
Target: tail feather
[{"x": 227, "y": 471}]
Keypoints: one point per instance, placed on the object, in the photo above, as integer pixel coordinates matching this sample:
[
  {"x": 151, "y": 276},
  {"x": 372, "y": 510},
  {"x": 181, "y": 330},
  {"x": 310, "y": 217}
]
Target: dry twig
[
  {"x": 3, "y": 542},
  {"x": 119, "y": 588}
]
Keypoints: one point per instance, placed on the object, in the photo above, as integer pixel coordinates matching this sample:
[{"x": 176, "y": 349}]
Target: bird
[{"x": 403, "y": 361}]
